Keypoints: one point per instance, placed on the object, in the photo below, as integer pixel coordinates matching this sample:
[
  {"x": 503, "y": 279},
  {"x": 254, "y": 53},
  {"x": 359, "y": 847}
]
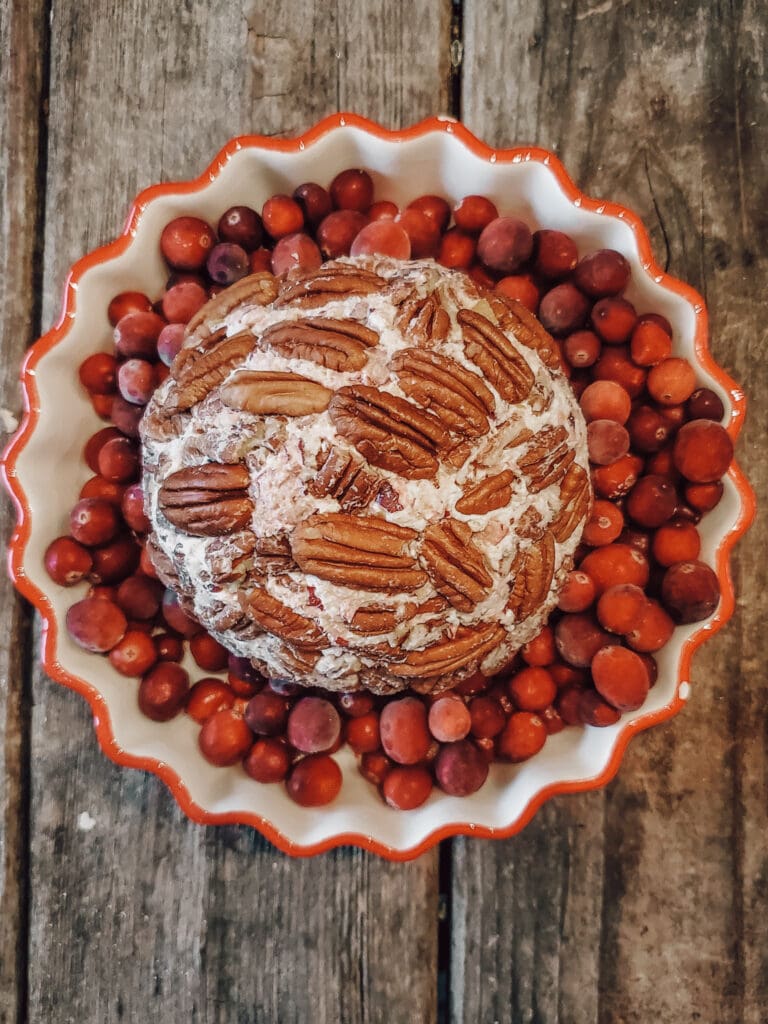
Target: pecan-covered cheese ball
[{"x": 370, "y": 476}]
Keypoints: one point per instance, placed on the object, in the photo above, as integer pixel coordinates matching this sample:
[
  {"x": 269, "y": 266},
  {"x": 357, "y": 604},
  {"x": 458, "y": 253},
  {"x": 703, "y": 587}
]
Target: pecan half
[
  {"x": 512, "y": 316},
  {"x": 455, "y": 565},
  {"x": 257, "y": 289},
  {"x": 576, "y": 497},
  {"x": 198, "y": 374},
  {"x": 373, "y": 621},
  {"x": 357, "y": 551},
  {"x": 496, "y": 356},
  {"x": 274, "y": 392},
  {"x": 470, "y": 645},
  {"x": 424, "y": 319},
  {"x": 343, "y": 476},
  {"x": 438, "y": 383},
  {"x": 333, "y": 281},
  {"x": 532, "y": 572},
  {"x": 208, "y": 500},
  {"x": 275, "y": 617},
  {"x": 335, "y": 344},
  {"x": 389, "y": 431},
  {"x": 490, "y": 493},
  {"x": 298, "y": 658},
  {"x": 547, "y": 459}
]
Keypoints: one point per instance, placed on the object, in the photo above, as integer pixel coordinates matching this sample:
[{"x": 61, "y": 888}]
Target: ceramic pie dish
[{"x": 44, "y": 458}]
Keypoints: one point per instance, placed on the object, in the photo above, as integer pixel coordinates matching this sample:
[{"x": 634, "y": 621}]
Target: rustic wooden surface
[{"x": 645, "y": 902}]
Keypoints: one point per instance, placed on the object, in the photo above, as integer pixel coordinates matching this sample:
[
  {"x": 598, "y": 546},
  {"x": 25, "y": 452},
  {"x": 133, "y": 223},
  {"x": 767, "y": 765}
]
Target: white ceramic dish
[{"x": 45, "y": 458}]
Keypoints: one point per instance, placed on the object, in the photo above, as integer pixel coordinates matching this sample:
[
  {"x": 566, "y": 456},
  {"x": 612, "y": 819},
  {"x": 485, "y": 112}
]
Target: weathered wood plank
[
  {"x": 136, "y": 913},
  {"x": 664, "y": 109},
  {"x": 23, "y": 35}
]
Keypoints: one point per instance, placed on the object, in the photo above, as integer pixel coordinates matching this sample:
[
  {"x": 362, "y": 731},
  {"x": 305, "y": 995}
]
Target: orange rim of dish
[{"x": 21, "y": 534}]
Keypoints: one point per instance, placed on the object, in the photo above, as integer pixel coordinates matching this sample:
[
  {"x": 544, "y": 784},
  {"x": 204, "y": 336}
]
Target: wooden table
[{"x": 645, "y": 902}]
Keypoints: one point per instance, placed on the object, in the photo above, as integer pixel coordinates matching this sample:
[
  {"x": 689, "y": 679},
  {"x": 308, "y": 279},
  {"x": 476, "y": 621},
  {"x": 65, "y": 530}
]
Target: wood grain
[
  {"x": 665, "y": 110},
  {"x": 22, "y": 30},
  {"x": 136, "y": 914}
]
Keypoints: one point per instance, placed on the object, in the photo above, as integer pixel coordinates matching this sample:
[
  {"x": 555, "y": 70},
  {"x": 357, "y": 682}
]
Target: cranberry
[
  {"x": 114, "y": 561},
  {"x": 314, "y": 200},
  {"x": 671, "y": 381},
  {"x": 604, "y": 272},
  {"x": 615, "y": 364},
  {"x": 540, "y": 651},
  {"x": 384, "y": 237},
  {"x": 487, "y": 717},
  {"x": 185, "y": 243},
  {"x": 532, "y": 689},
  {"x": 457, "y": 250},
  {"x": 705, "y": 405},
  {"x": 704, "y": 497},
  {"x": 619, "y": 478},
  {"x": 648, "y": 430},
  {"x": 578, "y": 592},
  {"x": 261, "y": 261},
  {"x": 207, "y": 696},
  {"x": 267, "y": 713},
  {"x": 128, "y": 302},
  {"x": 244, "y": 669},
  {"x": 522, "y": 288},
  {"x": 619, "y": 607},
  {"x": 604, "y": 525},
  {"x": 352, "y": 189},
  {"x": 460, "y": 769},
  {"x": 356, "y": 704},
  {"x": 176, "y": 617},
  {"x": 651, "y": 630},
  {"x": 313, "y": 725},
  {"x": 181, "y": 302},
  {"x": 126, "y": 416},
  {"x": 98, "y": 373},
  {"x": 524, "y": 735},
  {"x": 582, "y": 348},
  {"x": 613, "y": 319},
  {"x": 505, "y": 244},
  {"x": 224, "y": 738},
  {"x": 282, "y": 216},
  {"x": 314, "y": 781},
  {"x": 227, "y": 263},
  {"x": 119, "y": 460},
  {"x": 338, "y": 231},
  {"x": 473, "y": 213},
  {"x": 374, "y": 767},
  {"x": 690, "y": 591},
  {"x": 132, "y": 507},
  {"x": 140, "y": 597},
  {"x": 605, "y": 400},
  {"x": 677, "y": 541},
  {"x": 404, "y": 733},
  {"x": 422, "y": 232},
  {"x": 434, "y": 207},
  {"x": 563, "y": 309},
  {"x": 362, "y": 733},
  {"x": 607, "y": 441},
  {"x": 241, "y": 225},
  {"x": 406, "y": 788},
  {"x": 449, "y": 719},
  {"x": 267, "y": 761},
  {"x": 579, "y": 638},
  {"x": 136, "y": 381},
  {"x": 703, "y": 451},
  {"x": 134, "y": 655},
  {"x": 94, "y": 521},
  {"x": 95, "y": 443},
  {"x": 169, "y": 647},
  {"x": 383, "y": 210},
  {"x": 650, "y": 344},
  {"x": 208, "y": 652},
  {"x": 554, "y": 254},
  {"x": 96, "y": 624},
  {"x": 67, "y": 562},
  {"x": 593, "y": 710},
  {"x": 620, "y": 677},
  {"x": 652, "y": 501},
  {"x": 615, "y": 563},
  {"x": 295, "y": 252}
]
